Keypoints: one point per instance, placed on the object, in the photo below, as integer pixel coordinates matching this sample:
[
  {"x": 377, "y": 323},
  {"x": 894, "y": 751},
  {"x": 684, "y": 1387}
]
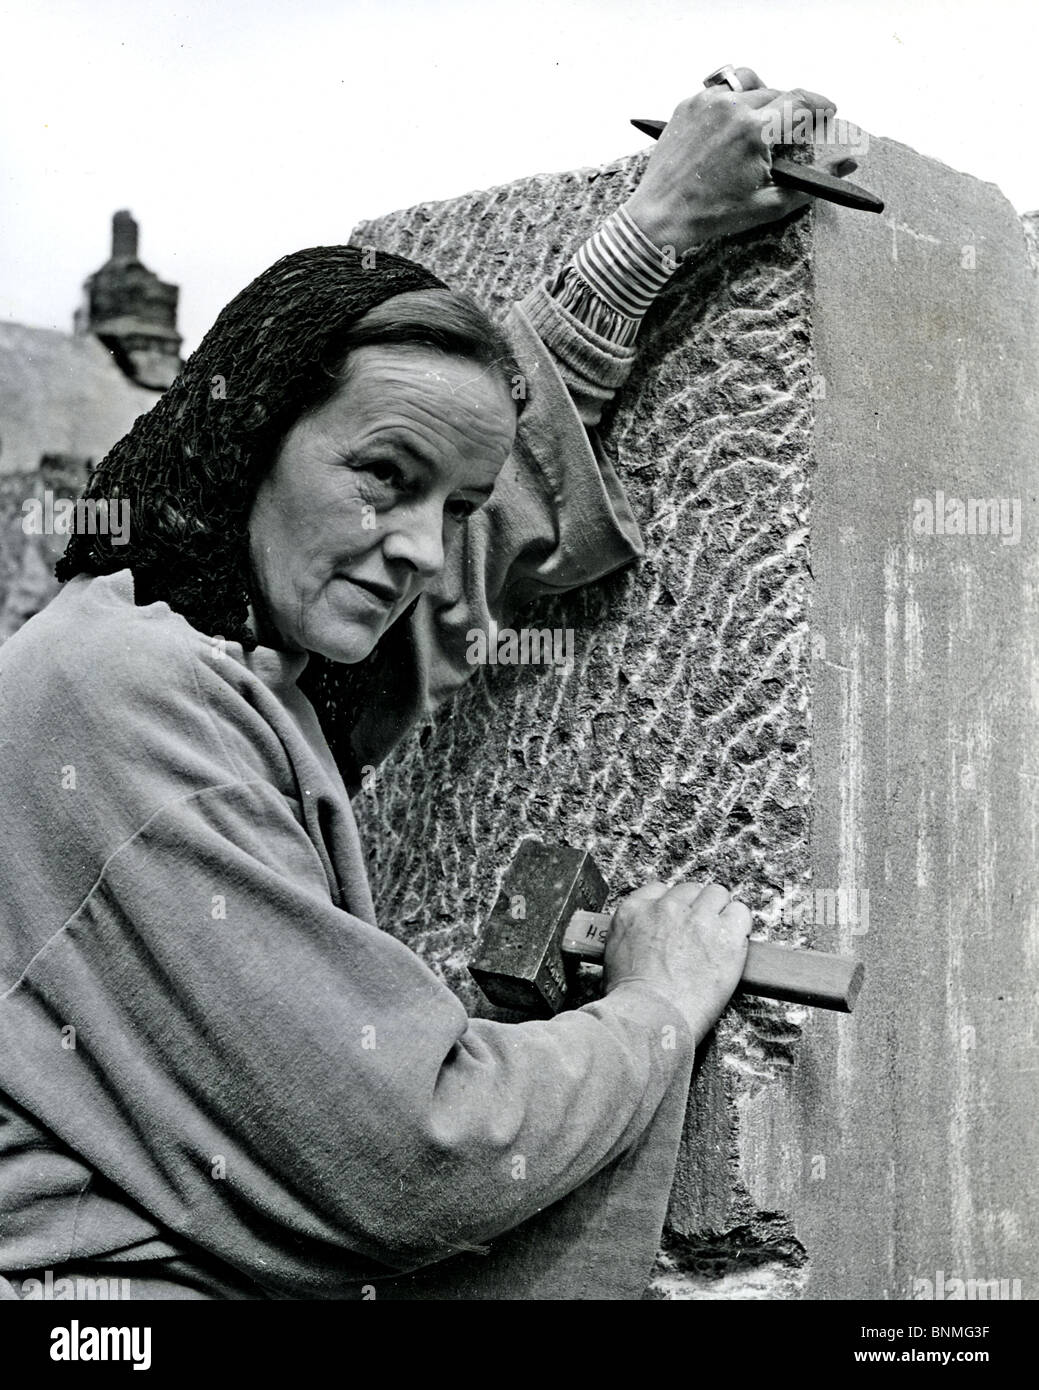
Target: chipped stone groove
[
  {"x": 759, "y": 1258},
  {"x": 678, "y": 745}
]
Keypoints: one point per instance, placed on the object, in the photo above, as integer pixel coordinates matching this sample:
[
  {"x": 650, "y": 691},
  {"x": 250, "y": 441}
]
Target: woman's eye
[{"x": 384, "y": 472}]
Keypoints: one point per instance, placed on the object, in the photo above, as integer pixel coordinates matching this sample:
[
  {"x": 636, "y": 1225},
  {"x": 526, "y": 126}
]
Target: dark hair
[
  {"x": 443, "y": 320},
  {"x": 190, "y": 467}
]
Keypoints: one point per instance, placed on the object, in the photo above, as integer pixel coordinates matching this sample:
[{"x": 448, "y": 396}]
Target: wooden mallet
[{"x": 546, "y": 918}]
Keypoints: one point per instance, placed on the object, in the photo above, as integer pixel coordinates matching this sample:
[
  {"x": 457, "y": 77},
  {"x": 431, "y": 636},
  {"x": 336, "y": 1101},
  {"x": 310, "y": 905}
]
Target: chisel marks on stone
[{"x": 677, "y": 746}]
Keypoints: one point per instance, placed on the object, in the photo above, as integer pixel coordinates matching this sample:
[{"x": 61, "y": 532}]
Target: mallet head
[{"x": 517, "y": 962}]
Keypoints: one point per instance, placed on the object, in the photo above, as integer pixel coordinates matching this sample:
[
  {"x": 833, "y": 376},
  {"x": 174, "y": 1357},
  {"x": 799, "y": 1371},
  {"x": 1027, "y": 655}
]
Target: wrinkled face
[{"x": 368, "y": 491}]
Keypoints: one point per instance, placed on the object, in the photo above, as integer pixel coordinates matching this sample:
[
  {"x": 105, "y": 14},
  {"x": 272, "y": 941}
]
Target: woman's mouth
[{"x": 381, "y": 594}]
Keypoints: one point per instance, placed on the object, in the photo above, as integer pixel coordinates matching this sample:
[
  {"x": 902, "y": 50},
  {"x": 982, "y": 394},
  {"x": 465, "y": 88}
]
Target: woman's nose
[{"x": 414, "y": 535}]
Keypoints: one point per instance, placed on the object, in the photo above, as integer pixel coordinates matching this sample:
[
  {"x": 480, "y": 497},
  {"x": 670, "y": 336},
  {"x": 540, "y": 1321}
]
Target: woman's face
[{"x": 368, "y": 491}]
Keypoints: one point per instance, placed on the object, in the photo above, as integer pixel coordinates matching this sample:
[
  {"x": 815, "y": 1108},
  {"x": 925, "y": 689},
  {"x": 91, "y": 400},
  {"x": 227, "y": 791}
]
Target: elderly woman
[{"x": 218, "y": 1077}]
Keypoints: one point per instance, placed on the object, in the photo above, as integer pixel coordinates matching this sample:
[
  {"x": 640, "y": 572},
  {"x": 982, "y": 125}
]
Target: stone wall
[
  {"x": 27, "y": 582},
  {"x": 788, "y": 694}
]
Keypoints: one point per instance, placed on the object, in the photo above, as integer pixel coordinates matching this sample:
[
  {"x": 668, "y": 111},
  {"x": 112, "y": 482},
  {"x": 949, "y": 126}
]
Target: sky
[{"x": 236, "y": 132}]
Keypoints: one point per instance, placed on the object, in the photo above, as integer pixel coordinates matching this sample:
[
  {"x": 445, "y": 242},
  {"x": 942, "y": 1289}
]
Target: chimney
[
  {"x": 124, "y": 237},
  {"x": 133, "y": 312}
]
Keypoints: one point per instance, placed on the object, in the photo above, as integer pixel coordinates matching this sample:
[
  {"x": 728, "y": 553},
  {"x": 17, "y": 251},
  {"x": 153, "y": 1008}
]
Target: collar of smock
[{"x": 278, "y": 670}]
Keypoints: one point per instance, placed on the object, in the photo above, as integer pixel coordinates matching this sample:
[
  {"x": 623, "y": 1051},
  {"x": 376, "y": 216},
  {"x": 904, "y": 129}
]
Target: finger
[
  {"x": 687, "y": 892},
  {"x": 798, "y": 100},
  {"x": 803, "y": 100},
  {"x": 755, "y": 100},
  {"x": 748, "y": 78},
  {"x": 772, "y": 202},
  {"x": 708, "y": 900},
  {"x": 790, "y": 110},
  {"x": 712, "y": 900},
  {"x": 737, "y": 915},
  {"x": 648, "y": 893}
]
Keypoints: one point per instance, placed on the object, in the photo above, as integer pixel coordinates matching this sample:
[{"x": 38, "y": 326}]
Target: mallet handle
[{"x": 776, "y": 972}]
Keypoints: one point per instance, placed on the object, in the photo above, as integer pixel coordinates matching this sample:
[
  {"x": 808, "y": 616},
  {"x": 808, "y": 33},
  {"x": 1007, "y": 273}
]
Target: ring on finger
[{"x": 724, "y": 76}]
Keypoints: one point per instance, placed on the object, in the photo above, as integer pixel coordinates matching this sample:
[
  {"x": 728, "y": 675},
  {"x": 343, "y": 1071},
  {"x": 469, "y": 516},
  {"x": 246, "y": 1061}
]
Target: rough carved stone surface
[{"x": 678, "y": 745}]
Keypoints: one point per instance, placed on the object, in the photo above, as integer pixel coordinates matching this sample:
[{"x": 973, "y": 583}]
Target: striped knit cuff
[
  {"x": 572, "y": 292},
  {"x": 613, "y": 279},
  {"x": 623, "y": 266}
]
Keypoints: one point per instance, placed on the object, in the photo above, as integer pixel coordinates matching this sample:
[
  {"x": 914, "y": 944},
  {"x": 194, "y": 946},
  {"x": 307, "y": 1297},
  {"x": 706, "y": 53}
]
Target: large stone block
[
  {"x": 921, "y": 1111},
  {"x": 786, "y": 695}
]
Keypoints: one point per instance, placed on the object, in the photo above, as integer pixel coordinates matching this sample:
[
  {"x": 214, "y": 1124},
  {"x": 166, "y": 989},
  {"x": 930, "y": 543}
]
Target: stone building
[{"x": 66, "y": 398}]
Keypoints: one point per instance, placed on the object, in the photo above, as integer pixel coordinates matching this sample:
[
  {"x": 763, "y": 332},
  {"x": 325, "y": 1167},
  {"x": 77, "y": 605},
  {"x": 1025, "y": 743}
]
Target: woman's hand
[
  {"x": 709, "y": 174},
  {"x": 688, "y": 942}
]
